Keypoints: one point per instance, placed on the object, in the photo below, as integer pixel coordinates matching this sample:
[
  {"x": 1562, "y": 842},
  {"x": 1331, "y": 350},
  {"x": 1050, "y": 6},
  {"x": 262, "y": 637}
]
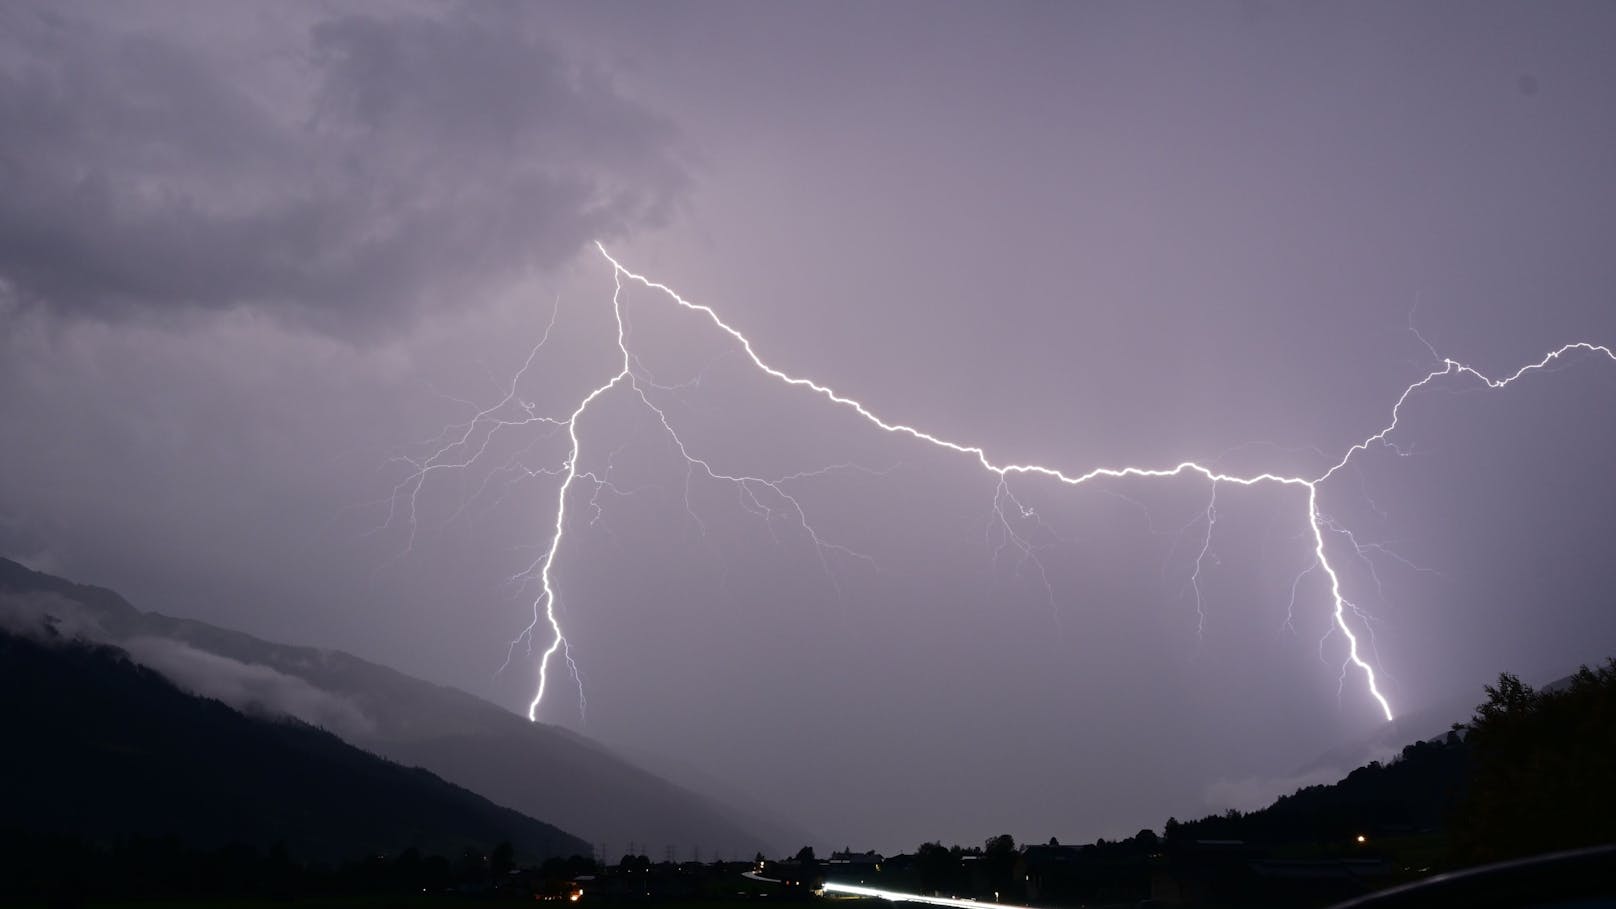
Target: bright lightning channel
[{"x": 545, "y": 612}]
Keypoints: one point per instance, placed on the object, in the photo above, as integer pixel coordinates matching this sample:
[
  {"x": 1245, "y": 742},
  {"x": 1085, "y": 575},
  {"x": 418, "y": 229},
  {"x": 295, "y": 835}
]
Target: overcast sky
[{"x": 254, "y": 257}]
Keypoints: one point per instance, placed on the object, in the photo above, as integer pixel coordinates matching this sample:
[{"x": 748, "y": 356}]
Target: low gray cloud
[
  {"x": 248, "y": 686},
  {"x": 48, "y": 617},
  {"x": 376, "y": 166}
]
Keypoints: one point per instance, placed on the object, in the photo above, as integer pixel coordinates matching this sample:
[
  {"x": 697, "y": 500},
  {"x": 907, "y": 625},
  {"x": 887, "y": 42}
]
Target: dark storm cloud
[{"x": 402, "y": 159}]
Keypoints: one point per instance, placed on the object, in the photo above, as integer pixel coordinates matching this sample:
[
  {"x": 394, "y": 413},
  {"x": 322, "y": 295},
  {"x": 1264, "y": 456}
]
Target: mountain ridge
[
  {"x": 116, "y": 750},
  {"x": 542, "y": 770}
]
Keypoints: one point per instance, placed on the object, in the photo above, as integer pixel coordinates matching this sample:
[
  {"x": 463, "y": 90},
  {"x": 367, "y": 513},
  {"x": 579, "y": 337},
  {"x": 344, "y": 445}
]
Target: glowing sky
[{"x": 255, "y": 257}]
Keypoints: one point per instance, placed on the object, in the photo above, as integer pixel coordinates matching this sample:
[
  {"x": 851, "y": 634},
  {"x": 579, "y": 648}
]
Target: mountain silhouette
[
  {"x": 542, "y": 770},
  {"x": 102, "y": 748}
]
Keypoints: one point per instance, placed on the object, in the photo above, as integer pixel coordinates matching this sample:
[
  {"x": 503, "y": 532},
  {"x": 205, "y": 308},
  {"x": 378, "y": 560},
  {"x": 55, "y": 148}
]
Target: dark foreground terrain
[
  {"x": 117, "y": 788},
  {"x": 110, "y": 772}
]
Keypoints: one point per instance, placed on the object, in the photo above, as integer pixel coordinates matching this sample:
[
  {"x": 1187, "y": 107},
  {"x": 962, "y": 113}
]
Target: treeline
[
  {"x": 1417, "y": 791},
  {"x": 1530, "y": 773},
  {"x": 1544, "y": 772},
  {"x": 64, "y": 870}
]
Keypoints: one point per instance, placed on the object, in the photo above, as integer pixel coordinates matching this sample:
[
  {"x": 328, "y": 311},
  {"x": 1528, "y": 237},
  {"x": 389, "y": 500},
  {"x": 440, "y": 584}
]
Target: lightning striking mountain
[{"x": 463, "y": 444}]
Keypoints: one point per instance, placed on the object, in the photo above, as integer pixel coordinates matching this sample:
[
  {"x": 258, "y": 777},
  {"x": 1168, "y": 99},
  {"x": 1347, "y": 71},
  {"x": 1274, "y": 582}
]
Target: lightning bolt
[
  {"x": 769, "y": 497},
  {"x": 755, "y": 492}
]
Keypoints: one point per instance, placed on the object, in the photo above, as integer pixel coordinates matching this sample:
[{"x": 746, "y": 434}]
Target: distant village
[{"x": 1141, "y": 868}]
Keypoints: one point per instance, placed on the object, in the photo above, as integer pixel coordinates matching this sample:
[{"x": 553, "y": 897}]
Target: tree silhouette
[
  {"x": 999, "y": 861},
  {"x": 1542, "y": 772},
  {"x": 937, "y": 866},
  {"x": 502, "y": 860}
]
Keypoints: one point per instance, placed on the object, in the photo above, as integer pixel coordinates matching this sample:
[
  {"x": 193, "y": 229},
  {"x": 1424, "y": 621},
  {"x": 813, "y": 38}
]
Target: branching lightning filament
[{"x": 769, "y": 496}]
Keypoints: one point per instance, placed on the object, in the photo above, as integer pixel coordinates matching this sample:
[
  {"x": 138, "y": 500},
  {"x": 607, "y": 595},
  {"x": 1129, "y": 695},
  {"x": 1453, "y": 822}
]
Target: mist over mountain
[
  {"x": 538, "y": 769},
  {"x": 103, "y": 748}
]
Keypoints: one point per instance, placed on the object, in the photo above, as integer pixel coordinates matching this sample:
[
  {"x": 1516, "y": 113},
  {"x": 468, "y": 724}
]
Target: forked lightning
[{"x": 468, "y": 441}]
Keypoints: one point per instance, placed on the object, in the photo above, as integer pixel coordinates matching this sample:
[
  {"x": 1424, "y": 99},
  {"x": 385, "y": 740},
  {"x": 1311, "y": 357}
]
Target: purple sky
[{"x": 253, "y": 254}]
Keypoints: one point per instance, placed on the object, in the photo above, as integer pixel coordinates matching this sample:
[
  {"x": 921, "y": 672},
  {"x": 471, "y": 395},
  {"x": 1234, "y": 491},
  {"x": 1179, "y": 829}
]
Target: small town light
[{"x": 1361, "y": 839}]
